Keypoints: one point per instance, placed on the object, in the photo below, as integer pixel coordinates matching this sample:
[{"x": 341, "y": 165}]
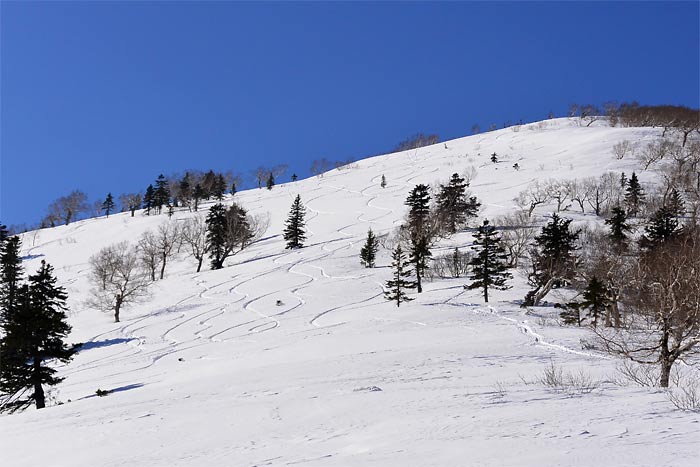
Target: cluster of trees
[
  {"x": 418, "y": 140},
  {"x": 122, "y": 273},
  {"x": 677, "y": 119},
  {"x": 424, "y": 224},
  {"x": 33, "y": 329}
]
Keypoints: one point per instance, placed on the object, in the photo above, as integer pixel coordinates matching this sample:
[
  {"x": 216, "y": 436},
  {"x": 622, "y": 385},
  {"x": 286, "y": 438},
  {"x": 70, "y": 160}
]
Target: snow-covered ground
[{"x": 210, "y": 371}]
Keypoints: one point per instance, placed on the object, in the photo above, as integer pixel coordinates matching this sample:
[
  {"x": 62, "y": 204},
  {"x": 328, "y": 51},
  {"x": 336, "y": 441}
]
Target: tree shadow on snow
[{"x": 104, "y": 343}]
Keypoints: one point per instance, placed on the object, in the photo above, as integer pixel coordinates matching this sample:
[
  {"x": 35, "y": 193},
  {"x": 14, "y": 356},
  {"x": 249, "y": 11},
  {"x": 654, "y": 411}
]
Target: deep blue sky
[{"x": 104, "y": 96}]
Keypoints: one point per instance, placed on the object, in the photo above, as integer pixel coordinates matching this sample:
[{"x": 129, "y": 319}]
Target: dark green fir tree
[
  {"x": 618, "y": 225},
  {"x": 368, "y": 253},
  {"x": 270, "y": 181},
  {"x": 396, "y": 287},
  {"x": 33, "y": 336},
  {"x": 489, "y": 265},
  {"x": 595, "y": 300},
  {"x": 294, "y": 233},
  {"x": 197, "y": 195},
  {"x": 148, "y": 199},
  {"x": 634, "y": 195},
  {"x": 108, "y": 204}
]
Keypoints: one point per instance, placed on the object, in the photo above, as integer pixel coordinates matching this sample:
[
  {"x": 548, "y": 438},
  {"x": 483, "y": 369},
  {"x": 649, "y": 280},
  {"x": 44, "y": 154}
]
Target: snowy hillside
[{"x": 210, "y": 371}]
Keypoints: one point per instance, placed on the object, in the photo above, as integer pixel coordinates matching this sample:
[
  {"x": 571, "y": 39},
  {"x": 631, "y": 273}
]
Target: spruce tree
[
  {"x": 553, "y": 259},
  {"x": 396, "y": 287},
  {"x": 420, "y": 256},
  {"x": 595, "y": 299},
  {"x": 185, "y": 189},
  {"x": 663, "y": 226},
  {"x": 634, "y": 195},
  {"x": 197, "y": 195},
  {"x": 490, "y": 263},
  {"x": 419, "y": 231},
  {"x": 294, "y": 177},
  {"x": 418, "y": 202},
  {"x": 108, "y": 204},
  {"x": 220, "y": 246},
  {"x": 4, "y": 234},
  {"x": 32, "y": 336},
  {"x": 161, "y": 195},
  {"x": 149, "y": 199},
  {"x": 368, "y": 253},
  {"x": 383, "y": 182},
  {"x": 494, "y": 158},
  {"x": 219, "y": 187},
  {"x": 675, "y": 203},
  {"x": 233, "y": 188},
  {"x": 294, "y": 233},
  {"x": 452, "y": 205},
  {"x": 10, "y": 276},
  {"x": 618, "y": 225},
  {"x": 270, "y": 181}
]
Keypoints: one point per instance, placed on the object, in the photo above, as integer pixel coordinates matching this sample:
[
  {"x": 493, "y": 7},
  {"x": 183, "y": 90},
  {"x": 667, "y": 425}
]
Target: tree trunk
[
  {"x": 486, "y": 292},
  {"x": 418, "y": 283},
  {"x": 117, "y": 307},
  {"x": 39, "y": 397},
  {"x": 162, "y": 268},
  {"x": 665, "y": 358},
  {"x": 199, "y": 264}
]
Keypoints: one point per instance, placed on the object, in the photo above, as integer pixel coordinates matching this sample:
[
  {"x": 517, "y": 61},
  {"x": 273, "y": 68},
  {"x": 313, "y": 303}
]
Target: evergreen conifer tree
[
  {"x": 368, "y": 253},
  {"x": 233, "y": 188},
  {"x": 185, "y": 189},
  {"x": 294, "y": 233},
  {"x": 149, "y": 199},
  {"x": 220, "y": 246},
  {"x": 396, "y": 287},
  {"x": 663, "y": 226},
  {"x": 494, "y": 158},
  {"x": 197, "y": 195},
  {"x": 553, "y": 259},
  {"x": 108, "y": 204},
  {"x": 634, "y": 195},
  {"x": 675, "y": 203},
  {"x": 10, "y": 276},
  {"x": 419, "y": 230},
  {"x": 418, "y": 202},
  {"x": 294, "y": 177},
  {"x": 4, "y": 234},
  {"x": 618, "y": 225},
  {"x": 161, "y": 195},
  {"x": 490, "y": 262},
  {"x": 452, "y": 204},
  {"x": 383, "y": 182},
  {"x": 219, "y": 188},
  {"x": 270, "y": 181},
  {"x": 420, "y": 256},
  {"x": 595, "y": 299},
  {"x": 34, "y": 334}
]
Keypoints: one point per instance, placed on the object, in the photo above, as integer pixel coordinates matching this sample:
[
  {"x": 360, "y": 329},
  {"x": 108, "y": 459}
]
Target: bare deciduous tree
[
  {"x": 194, "y": 234},
  {"x": 67, "y": 208},
  {"x": 130, "y": 202},
  {"x": 517, "y": 232},
  {"x": 535, "y": 195},
  {"x": 167, "y": 238},
  {"x": 663, "y": 298},
  {"x": 118, "y": 278},
  {"x": 149, "y": 252}
]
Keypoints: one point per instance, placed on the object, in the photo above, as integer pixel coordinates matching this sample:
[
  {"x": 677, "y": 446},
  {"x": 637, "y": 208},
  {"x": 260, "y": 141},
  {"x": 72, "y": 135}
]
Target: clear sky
[{"x": 103, "y": 96}]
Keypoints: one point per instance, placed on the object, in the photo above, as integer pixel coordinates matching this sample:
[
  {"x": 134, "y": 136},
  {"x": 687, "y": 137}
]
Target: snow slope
[{"x": 211, "y": 372}]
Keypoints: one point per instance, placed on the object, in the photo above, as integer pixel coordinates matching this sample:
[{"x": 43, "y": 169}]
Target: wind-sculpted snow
[{"x": 295, "y": 357}]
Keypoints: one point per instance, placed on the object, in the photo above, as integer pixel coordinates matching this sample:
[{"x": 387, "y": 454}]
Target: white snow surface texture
[{"x": 210, "y": 371}]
